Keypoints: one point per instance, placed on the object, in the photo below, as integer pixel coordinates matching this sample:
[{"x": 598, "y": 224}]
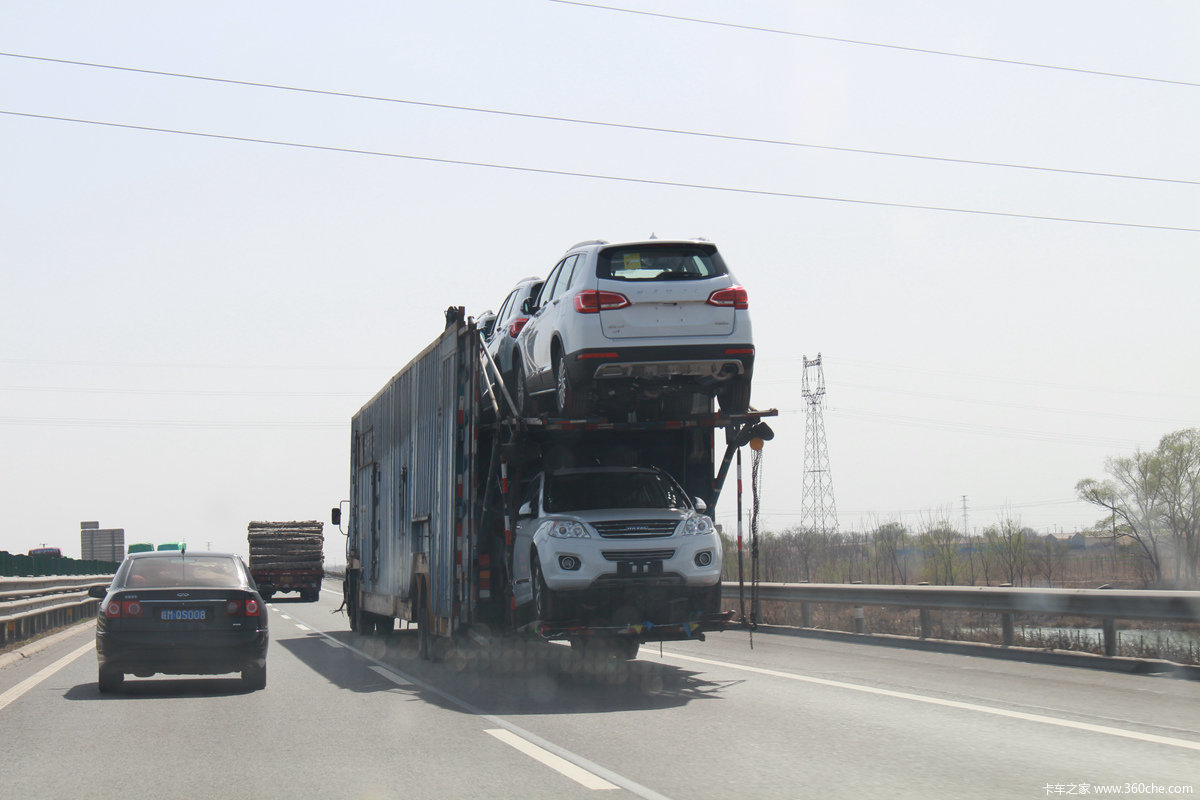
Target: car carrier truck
[
  {"x": 287, "y": 557},
  {"x": 465, "y": 517}
]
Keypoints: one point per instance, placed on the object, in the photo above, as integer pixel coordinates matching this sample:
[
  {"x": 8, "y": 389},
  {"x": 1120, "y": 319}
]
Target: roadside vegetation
[{"x": 1147, "y": 538}]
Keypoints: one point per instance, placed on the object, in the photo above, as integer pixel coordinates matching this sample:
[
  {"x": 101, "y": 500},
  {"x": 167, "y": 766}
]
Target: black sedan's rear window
[
  {"x": 668, "y": 262},
  {"x": 164, "y": 573}
]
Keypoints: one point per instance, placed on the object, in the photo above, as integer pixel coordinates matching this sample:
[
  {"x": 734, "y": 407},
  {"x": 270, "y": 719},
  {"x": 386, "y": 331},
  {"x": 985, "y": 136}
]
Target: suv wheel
[
  {"x": 521, "y": 392},
  {"x": 570, "y": 401},
  {"x": 735, "y": 398},
  {"x": 544, "y": 600}
]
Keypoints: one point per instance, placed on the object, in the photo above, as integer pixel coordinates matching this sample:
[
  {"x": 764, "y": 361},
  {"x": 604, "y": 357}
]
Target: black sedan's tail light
[{"x": 237, "y": 607}]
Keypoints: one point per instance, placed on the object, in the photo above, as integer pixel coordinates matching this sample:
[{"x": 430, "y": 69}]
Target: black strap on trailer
[{"x": 755, "y": 496}]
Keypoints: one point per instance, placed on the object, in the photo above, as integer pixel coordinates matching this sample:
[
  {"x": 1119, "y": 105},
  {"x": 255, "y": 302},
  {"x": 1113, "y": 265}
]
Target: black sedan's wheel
[
  {"x": 110, "y": 679},
  {"x": 254, "y": 676}
]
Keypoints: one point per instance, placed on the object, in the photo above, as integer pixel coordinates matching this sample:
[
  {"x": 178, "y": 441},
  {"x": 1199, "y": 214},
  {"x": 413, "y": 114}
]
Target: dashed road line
[
  {"x": 560, "y": 765},
  {"x": 32, "y": 681}
]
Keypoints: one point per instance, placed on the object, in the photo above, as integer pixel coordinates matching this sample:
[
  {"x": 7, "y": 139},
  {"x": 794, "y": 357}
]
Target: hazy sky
[{"x": 191, "y": 320}]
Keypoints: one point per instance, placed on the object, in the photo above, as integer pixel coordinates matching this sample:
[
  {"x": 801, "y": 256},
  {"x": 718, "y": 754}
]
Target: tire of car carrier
[
  {"x": 424, "y": 625},
  {"x": 735, "y": 399},
  {"x": 570, "y": 402},
  {"x": 352, "y": 603},
  {"x": 109, "y": 680},
  {"x": 545, "y": 602},
  {"x": 254, "y": 676},
  {"x": 384, "y": 625}
]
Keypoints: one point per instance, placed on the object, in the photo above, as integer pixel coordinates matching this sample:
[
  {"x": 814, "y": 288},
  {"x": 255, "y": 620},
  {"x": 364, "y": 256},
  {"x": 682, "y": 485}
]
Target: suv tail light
[
  {"x": 732, "y": 297},
  {"x": 516, "y": 326},
  {"x": 131, "y": 608},
  {"x": 113, "y": 609},
  {"x": 252, "y": 609},
  {"x": 593, "y": 301}
]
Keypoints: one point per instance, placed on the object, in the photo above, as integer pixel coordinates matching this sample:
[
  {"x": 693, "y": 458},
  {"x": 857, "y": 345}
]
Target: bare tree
[
  {"x": 1008, "y": 543},
  {"x": 1048, "y": 557},
  {"x": 1133, "y": 499},
  {"x": 890, "y": 542},
  {"x": 1178, "y": 461},
  {"x": 940, "y": 543}
]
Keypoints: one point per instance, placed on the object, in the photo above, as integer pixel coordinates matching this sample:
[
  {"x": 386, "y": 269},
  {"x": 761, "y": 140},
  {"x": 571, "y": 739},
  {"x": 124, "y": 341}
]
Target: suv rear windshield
[
  {"x": 587, "y": 491},
  {"x": 666, "y": 262},
  {"x": 151, "y": 573}
]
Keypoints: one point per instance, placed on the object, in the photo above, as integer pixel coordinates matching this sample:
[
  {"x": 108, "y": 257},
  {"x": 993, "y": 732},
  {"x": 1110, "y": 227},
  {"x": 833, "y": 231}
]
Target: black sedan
[{"x": 181, "y": 613}]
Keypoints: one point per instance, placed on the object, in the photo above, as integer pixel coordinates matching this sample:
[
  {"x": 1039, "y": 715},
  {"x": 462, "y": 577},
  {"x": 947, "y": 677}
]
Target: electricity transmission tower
[{"x": 818, "y": 511}]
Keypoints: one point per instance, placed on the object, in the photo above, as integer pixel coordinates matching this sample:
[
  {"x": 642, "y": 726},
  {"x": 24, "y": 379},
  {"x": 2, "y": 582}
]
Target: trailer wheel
[
  {"x": 384, "y": 625},
  {"x": 545, "y": 600},
  {"x": 424, "y": 625}
]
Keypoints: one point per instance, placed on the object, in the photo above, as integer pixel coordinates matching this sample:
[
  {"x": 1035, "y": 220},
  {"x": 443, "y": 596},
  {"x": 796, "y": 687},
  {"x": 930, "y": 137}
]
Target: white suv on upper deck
[{"x": 617, "y": 323}]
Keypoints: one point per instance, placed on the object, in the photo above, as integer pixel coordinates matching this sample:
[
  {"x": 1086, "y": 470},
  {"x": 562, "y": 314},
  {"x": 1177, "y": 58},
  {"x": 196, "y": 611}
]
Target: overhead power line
[
  {"x": 862, "y": 43},
  {"x": 597, "y": 176},
  {"x": 603, "y": 124}
]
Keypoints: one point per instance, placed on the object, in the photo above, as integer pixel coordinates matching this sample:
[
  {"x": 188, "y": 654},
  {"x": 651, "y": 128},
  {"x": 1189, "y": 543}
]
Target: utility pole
[
  {"x": 818, "y": 511},
  {"x": 966, "y": 530}
]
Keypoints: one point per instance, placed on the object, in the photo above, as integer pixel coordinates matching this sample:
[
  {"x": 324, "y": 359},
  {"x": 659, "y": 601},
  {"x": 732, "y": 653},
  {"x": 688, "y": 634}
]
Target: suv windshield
[
  {"x": 659, "y": 262},
  {"x": 586, "y": 491},
  {"x": 154, "y": 573}
]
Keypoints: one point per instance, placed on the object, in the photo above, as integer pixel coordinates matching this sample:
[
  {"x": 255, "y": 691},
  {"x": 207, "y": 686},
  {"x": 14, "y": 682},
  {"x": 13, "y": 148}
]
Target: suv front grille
[
  {"x": 637, "y": 528},
  {"x": 637, "y": 555}
]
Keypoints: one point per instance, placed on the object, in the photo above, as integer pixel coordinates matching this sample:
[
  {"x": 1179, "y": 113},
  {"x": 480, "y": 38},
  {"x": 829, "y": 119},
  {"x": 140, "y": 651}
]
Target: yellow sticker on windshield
[{"x": 633, "y": 261}]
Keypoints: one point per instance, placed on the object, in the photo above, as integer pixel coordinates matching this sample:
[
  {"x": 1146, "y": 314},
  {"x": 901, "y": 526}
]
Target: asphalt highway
[{"x": 771, "y": 716}]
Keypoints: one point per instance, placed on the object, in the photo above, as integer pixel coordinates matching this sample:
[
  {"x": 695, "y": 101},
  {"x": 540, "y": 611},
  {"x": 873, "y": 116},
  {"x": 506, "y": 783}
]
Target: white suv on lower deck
[
  {"x": 618, "y": 323},
  {"x": 586, "y": 533}
]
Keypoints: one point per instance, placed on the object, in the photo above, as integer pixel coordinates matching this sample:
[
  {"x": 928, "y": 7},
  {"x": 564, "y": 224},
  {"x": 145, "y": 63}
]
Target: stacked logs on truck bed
[{"x": 285, "y": 545}]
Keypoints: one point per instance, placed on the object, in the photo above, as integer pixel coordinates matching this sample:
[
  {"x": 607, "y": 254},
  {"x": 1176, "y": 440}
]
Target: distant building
[{"x": 101, "y": 544}]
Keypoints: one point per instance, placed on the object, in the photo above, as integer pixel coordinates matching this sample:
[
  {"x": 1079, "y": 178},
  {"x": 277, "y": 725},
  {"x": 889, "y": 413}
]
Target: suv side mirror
[
  {"x": 97, "y": 592},
  {"x": 528, "y": 306},
  {"x": 526, "y": 510},
  {"x": 701, "y": 506}
]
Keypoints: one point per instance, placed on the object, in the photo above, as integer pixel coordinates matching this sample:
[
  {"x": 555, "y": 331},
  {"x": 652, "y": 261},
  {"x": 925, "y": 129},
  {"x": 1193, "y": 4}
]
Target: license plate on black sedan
[{"x": 183, "y": 614}]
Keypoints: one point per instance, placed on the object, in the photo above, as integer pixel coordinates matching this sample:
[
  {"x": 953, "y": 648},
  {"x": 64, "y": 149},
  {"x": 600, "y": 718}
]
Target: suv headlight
[
  {"x": 696, "y": 525},
  {"x": 566, "y": 529}
]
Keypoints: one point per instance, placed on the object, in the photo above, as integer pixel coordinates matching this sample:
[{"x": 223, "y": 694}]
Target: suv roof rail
[{"x": 585, "y": 244}]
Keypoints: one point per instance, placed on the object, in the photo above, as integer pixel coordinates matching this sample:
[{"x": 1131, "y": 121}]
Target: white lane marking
[
  {"x": 332, "y": 643},
  {"x": 32, "y": 681},
  {"x": 561, "y": 765},
  {"x": 302, "y": 627},
  {"x": 603, "y": 772},
  {"x": 285, "y": 616},
  {"x": 394, "y": 677},
  {"x": 937, "y": 701}
]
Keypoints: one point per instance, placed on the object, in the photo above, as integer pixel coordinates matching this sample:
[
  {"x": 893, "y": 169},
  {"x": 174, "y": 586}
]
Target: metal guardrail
[
  {"x": 1107, "y": 605},
  {"x": 29, "y": 606}
]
